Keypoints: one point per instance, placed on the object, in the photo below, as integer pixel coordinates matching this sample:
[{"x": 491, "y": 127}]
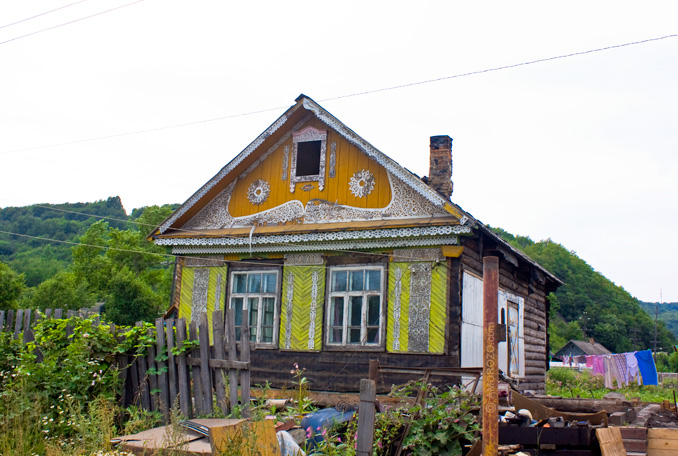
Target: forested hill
[
  {"x": 588, "y": 304},
  {"x": 39, "y": 260},
  {"x": 668, "y": 313}
]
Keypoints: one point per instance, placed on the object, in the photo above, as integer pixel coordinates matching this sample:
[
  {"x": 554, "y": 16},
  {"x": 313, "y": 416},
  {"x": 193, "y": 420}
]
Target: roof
[{"x": 586, "y": 347}]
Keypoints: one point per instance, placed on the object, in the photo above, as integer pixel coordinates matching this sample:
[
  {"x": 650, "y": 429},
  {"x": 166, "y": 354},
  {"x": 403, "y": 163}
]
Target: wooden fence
[{"x": 181, "y": 368}]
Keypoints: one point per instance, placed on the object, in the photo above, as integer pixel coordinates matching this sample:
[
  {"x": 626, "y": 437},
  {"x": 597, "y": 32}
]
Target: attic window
[{"x": 308, "y": 158}]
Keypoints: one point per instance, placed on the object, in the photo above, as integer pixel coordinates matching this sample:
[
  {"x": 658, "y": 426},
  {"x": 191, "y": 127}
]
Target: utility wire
[
  {"x": 356, "y": 94},
  {"x": 70, "y": 22},
  {"x": 42, "y": 14}
]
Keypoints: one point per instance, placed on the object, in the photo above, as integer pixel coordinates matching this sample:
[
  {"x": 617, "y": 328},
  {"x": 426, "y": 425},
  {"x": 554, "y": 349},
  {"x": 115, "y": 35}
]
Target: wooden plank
[
  {"x": 232, "y": 356},
  {"x": 10, "y": 320},
  {"x": 368, "y": 395},
  {"x": 218, "y": 363},
  {"x": 161, "y": 352},
  {"x": 171, "y": 366},
  {"x": 28, "y": 332},
  {"x": 58, "y": 314},
  {"x": 668, "y": 434},
  {"x": 196, "y": 371},
  {"x": 152, "y": 378},
  {"x": 182, "y": 372},
  {"x": 134, "y": 380},
  {"x": 662, "y": 444},
  {"x": 219, "y": 354},
  {"x": 17, "y": 323},
  {"x": 633, "y": 433},
  {"x": 145, "y": 397},
  {"x": 205, "y": 371},
  {"x": 656, "y": 452},
  {"x": 611, "y": 443},
  {"x": 245, "y": 373},
  {"x": 2, "y": 320}
]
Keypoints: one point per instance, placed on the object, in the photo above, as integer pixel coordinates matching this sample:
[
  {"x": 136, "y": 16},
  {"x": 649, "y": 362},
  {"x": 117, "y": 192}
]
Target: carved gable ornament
[{"x": 308, "y": 157}]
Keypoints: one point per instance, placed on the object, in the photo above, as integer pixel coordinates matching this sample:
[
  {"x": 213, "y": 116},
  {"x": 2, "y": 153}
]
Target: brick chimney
[{"x": 440, "y": 165}]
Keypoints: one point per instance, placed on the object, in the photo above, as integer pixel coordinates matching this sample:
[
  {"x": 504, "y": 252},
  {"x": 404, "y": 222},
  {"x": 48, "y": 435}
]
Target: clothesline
[{"x": 624, "y": 367}]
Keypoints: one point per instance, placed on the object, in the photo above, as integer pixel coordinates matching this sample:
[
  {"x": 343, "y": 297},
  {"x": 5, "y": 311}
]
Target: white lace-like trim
[
  {"x": 397, "y": 292},
  {"x": 319, "y": 247},
  {"x": 361, "y": 183},
  {"x": 290, "y": 300},
  {"x": 258, "y": 191},
  {"x": 314, "y": 307},
  {"x": 224, "y": 171}
]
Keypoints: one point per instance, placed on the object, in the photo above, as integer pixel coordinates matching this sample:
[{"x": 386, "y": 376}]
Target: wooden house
[
  {"x": 336, "y": 255},
  {"x": 580, "y": 347}
]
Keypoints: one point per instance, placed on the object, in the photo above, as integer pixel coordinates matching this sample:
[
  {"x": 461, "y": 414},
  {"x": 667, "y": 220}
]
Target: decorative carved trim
[
  {"x": 258, "y": 191},
  {"x": 412, "y": 232},
  {"x": 397, "y": 292},
  {"x": 290, "y": 301},
  {"x": 224, "y": 171},
  {"x": 193, "y": 262},
  {"x": 361, "y": 183},
  {"x": 201, "y": 278},
  {"x": 303, "y": 259},
  {"x": 286, "y": 162},
  {"x": 305, "y": 135},
  {"x": 333, "y": 158},
  {"x": 312, "y": 313},
  {"x": 317, "y": 247},
  {"x": 418, "y": 255},
  {"x": 420, "y": 307}
]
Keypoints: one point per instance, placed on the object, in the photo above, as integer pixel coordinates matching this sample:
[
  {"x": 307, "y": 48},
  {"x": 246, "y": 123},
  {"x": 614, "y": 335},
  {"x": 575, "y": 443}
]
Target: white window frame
[
  {"x": 309, "y": 134},
  {"x": 346, "y": 295},
  {"x": 260, "y": 314}
]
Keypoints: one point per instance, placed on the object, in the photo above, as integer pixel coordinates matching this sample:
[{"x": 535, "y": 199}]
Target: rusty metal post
[{"x": 490, "y": 361}]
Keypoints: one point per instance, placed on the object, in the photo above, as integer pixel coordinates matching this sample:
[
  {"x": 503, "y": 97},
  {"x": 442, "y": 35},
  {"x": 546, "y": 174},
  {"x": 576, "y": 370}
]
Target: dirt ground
[{"x": 663, "y": 419}]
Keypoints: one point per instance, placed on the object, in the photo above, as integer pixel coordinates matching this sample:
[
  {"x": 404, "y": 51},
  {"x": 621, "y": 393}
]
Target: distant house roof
[{"x": 580, "y": 347}]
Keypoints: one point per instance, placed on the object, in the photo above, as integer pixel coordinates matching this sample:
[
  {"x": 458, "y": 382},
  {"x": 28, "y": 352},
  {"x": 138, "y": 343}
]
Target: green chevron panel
[
  {"x": 398, "y": 303},
  {"x": 436, "y": 341},
  {"x": 303, "y": 293}
]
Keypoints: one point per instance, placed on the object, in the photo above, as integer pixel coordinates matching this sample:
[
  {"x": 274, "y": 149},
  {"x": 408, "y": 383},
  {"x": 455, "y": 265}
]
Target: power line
[
  {"x": 355, "y": 94},
  {"x": 70, "y": 22},
  {"x": 42, "y": 14}
]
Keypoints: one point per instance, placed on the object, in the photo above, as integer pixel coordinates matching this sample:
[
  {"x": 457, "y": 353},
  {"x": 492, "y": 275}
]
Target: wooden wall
[{"x": 516, "y": 280}]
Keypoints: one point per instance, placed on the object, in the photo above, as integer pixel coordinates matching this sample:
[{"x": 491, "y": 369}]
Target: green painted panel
[
  {"x": 303, "y": 294},
  {"x": 212, "y": 297}
]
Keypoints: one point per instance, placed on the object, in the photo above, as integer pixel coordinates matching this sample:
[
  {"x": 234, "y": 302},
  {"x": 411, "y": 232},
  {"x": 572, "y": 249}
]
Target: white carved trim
[
  {"x": 309, "y": 134},
  {"x": 312, "y": 314},
  {"x": 411, "y": 255},
  {"x": 413, "y": 232},
  {"x": 286, "y": 163},
  {"x": 258, "y": 191},
  {"x": 303, "y": 259},
  {"x": 397, "y": 293},
  {"x": 224, "y": 171},
  {"x": 305, "y": 135},
  {"x": 361, "y": 183},
  {"x": 319, "y": 247},
  {"x": 290, "y": 303},
  {"x": 333, "y": 158}
]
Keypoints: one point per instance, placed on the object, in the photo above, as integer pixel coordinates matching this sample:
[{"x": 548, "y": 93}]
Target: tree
[
  {"x": 63, "y": 291},
  {"x": 12, "y": 285}
]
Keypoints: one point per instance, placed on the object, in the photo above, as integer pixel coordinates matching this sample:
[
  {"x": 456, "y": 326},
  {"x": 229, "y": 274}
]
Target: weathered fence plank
[
  {"x": 172, "y": 367},
  {"x": 205, "y": 371},
  {"x": 232, "y": 356},
  {"x": 196, "y": 370},
  {"x": 182, "y": 372},
  {"x": 161, "y": 350},
  {"x": 2, "y": 320},
  {"x": 245, "y": 373},
  {"x": 17, "y": 323},
  {"x": 219, "y": 354},
  {"x": 153, "y": 378}
]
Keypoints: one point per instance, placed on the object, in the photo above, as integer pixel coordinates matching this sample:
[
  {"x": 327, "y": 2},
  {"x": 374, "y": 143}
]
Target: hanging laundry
[
  {"x": 647, "y": 368},
  {"x": 607, "y": 364},
  {"x": 619, "y": 369},
  {"x": 598, "y": 365},
  {"x": 632, "y": 366},
  {"x": 589, "y": 360}
]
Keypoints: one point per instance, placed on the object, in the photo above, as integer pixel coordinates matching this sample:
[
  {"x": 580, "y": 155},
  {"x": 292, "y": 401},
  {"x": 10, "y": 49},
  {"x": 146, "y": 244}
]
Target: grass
[{"x": 567, "y": 382}]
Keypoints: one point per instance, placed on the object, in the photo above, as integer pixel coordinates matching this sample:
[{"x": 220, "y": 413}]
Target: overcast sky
[{"x": 582, "y": 150}]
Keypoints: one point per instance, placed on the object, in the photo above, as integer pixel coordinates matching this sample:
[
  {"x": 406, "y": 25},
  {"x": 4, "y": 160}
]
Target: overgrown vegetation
[
  {"x": 588, "y": 305},
  {"x": 568, "y": 382}
]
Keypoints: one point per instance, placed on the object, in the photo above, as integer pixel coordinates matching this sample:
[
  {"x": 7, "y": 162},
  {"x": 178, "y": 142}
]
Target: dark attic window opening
[{"x": 308, "y": 158}]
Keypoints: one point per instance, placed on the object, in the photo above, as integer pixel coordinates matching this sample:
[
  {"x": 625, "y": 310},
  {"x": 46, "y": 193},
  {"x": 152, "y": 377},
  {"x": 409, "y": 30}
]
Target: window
[
  {"x": 308, "y": 158},
  {"x": 355, "y": 315},
  {"x": 254, "y": 296}
]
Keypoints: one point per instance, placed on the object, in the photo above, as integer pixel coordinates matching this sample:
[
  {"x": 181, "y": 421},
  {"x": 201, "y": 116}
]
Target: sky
[{"x": 149, "y": 100}]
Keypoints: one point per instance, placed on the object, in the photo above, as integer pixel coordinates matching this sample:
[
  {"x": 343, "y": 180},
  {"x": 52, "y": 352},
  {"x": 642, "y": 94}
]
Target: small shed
[{"x": 580, "y": 347}]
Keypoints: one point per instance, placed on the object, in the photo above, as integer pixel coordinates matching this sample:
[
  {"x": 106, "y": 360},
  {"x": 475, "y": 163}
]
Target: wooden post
[
  {"x": 245, "y": 373},
  {"x": 490, "y": 358},
  {"x": 182, "y": 372},
  {"x": 143, "y": 378},
  {"x": 205, "y": 371},
  {"x": 232, "y": 356},
  {"x": 374, "y": 370},
  {"x": 2, "y": 320},
  {"x": 219, "y": 353},
  {"x": 161, "y": 349},
  {"x": 28, "y": 332},
  {"x": 17, "y": 323},
  {"x": 153, "y": 378},
  {"x": 366, "y": 411}
]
